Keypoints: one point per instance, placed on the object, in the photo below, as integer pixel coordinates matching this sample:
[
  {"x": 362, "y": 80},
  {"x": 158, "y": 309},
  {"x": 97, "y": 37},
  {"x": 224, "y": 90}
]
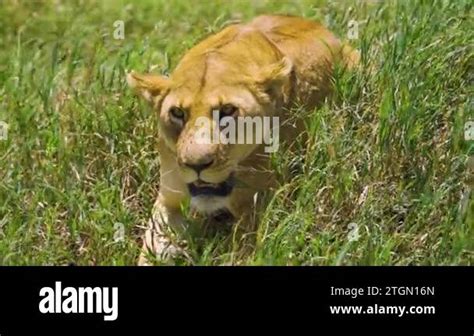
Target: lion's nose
[{"x": 200, "y": 164}]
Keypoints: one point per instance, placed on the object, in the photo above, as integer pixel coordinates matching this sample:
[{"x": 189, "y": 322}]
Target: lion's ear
[
  {"x": 148, "y": 85},
  {"x": 274, "y": 75}
]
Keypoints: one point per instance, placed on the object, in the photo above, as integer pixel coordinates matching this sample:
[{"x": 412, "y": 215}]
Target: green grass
[{"x": 387, "y": 153}]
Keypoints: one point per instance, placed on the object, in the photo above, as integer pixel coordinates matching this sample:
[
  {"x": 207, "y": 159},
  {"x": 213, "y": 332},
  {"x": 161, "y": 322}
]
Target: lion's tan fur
[{"x": 263, "y": 67}]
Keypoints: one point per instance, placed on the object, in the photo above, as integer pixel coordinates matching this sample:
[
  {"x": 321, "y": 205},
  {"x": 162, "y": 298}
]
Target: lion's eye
[
  {"x": 177, "y": 114},
  {"x": 228, "y": 110}
]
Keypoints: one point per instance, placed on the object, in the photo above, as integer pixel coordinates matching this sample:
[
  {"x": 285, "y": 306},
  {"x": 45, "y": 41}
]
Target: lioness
[{"x": 257, "y": 69}]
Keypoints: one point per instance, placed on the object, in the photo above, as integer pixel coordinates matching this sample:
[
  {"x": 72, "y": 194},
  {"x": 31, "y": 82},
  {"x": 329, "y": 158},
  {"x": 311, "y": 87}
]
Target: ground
[{"x": 384, "y": 179}]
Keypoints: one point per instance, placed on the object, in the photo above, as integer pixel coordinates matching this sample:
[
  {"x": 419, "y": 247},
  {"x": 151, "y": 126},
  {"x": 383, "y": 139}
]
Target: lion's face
[
  {"x": 195, "y": 107},
  {"x": 192, "y": 121}
]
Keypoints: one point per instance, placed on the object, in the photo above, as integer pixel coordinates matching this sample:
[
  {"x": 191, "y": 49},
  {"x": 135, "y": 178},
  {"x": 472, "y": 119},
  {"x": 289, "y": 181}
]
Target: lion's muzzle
[{"x": 201, "y": 188}]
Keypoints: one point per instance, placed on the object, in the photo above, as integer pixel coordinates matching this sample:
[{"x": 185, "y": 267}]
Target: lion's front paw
[
  {"x": 160, "y": 249},
  {"x": 160, "y": 244}
]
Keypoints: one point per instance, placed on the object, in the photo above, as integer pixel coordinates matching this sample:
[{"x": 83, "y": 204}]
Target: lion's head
[{"x": 211, "y": 81}]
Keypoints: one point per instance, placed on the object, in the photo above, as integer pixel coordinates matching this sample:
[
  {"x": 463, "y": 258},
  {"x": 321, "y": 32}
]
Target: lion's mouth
[{"x": 202, "y": 188}]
